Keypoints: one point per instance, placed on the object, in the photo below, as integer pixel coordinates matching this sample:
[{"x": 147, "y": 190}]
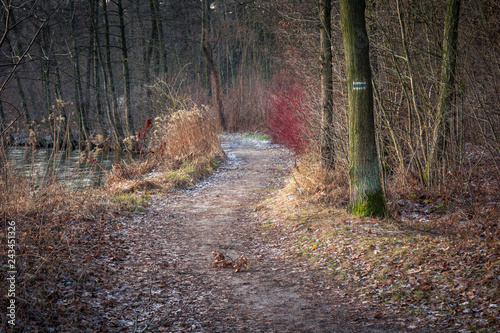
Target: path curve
[{"x": 159, "y": 263}]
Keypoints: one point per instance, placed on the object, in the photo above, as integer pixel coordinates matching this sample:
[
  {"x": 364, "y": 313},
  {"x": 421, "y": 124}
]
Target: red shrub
[{"x": 287, "y": 118}]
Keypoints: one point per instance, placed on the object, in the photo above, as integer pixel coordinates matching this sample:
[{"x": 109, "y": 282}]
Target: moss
[
  {"x": 257, "y": 136},
  {"x": 372, "y": 205}
]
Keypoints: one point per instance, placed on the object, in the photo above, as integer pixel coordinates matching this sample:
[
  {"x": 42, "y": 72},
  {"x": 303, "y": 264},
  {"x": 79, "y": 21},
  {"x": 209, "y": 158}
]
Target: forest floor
[{"x": 157, "y": 270}]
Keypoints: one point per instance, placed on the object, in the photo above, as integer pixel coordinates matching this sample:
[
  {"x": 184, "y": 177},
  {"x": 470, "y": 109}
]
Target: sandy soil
[{"x": 156, "y": 274}]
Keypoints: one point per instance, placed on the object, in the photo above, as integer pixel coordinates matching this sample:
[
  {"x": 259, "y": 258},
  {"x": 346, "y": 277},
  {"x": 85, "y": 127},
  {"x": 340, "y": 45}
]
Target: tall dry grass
[{"x": 183, "y": 144}]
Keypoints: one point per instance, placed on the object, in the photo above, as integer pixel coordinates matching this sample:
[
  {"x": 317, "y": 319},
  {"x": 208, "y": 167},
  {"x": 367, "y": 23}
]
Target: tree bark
[
  {"x": 216, "y": 87},
  {"x": 81, "y": 113},
  {"x": 153, "y": 41},
  {"x": 94, "y": 10},
  {"x": 214, "y": 72},
  {"x": 204, "y": 36},
  {"x": 366, "y": 195},
  {"x": 109, "y": 80},
  {"x": 129, "y": 125},
  {"x": 441, "y": 144},
  {"x": 327, "y": 148}
]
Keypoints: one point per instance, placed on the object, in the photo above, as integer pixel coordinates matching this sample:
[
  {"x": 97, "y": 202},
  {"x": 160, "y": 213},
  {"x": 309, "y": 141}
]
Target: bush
[{"x": 287, "y": 118}]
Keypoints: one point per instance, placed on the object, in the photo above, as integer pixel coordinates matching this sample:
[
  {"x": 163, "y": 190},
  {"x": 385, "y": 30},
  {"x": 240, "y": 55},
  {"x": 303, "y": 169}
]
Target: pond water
[{"x": 76, "y": 168}]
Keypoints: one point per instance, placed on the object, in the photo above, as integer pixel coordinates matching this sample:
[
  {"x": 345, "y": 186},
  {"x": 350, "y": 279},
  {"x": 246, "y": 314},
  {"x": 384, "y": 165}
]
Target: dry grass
[
  {"x": 311, "y": 182},
  {"x": 190, "y": 134},
  {"x": 184, "y": 148}
]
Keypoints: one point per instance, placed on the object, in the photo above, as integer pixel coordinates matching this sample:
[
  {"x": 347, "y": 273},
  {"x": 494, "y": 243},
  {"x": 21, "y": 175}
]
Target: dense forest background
[{"x": 75, "y": 72}]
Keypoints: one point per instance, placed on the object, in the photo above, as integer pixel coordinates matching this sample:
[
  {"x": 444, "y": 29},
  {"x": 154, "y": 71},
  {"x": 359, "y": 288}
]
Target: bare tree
[{"x": 442, "y": 146}]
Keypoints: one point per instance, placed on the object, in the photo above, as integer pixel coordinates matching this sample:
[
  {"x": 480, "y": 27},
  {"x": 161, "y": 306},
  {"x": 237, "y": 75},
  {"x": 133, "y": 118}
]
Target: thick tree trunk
[
  {"x": 5, "y": 138},
  {"x": 24, "y": 108},
  {"x": 441, "y": 145},
  {"x": 367, "y": 198},
  {"x": 80, "y": 110},
  {"x": 162, "y": 42},
  {"x": 3, "y": 125},
  {"x": 45, "y": 70},
  {"x": 327, "y": 148},
  {"x": 129, "y": 125},
  {"x": 157, "y": 38},
  {"x": 47, "y": 94}
]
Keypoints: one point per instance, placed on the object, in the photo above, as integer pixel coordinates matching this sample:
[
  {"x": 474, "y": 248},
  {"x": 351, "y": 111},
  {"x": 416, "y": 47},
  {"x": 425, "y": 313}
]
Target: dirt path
[{"x": 159, "y": 272}]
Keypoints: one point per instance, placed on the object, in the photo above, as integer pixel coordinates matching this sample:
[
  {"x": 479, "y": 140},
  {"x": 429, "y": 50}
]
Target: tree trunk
[
  {"x": 80, "y": 110},
  {"x": 156, "y": 44},
  {"x": 47, "y": 96},
  {"x": 153, "y": 40},
  {"x": 161, "y": 54},
  {"x": 441, "y": 145},
  {"x": 109, "y": 80},
  {"x": 204, "y": 36},
  {"x": 94, "y": 9},
  {"x": 214, "y": 72},
  {"x": 3, "y": 125},
  {"x": 129, "y": 126},
  {"x": 162, "y": 42},
  {"x": 326, "y": 144},
  {"x": 367, "y": 198},
  {"x": 24, "y": 109},
  {"x": 216, "y": 87}
]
